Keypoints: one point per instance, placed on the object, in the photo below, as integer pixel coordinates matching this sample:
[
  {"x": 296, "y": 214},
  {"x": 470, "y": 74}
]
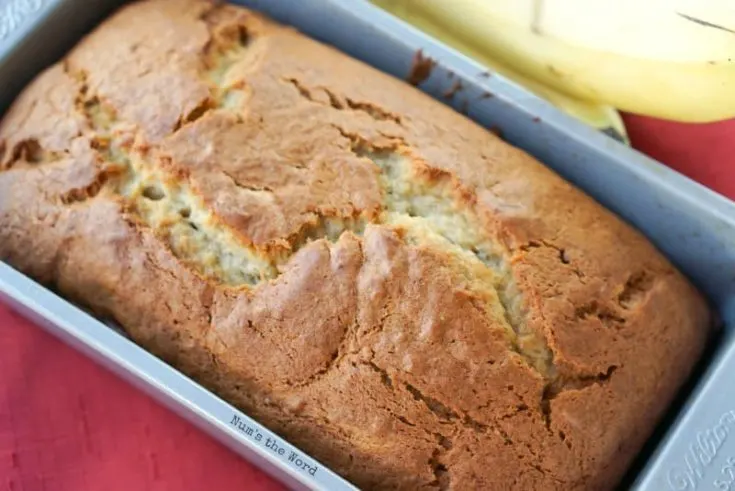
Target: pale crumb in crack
[
  {"x": 194, "y": 234},
  {"x": 101, "y": 119},
  {"x": 171, "y": 208},
  {"x": 233, "y": 99},
  {"x": 430, "y": 213},
  {"x": 222, "y": 64},
  {"x": 228, "y": 87},
  {"x": 174, "y": 212},
  {"x": 224, "y": 52},
  {"x": 107, "y": 131},
  {"x": 168, "y": 206}
]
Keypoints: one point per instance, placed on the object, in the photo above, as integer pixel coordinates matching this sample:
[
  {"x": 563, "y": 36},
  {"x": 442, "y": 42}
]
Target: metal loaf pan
[{"x": 693, "y": 226}]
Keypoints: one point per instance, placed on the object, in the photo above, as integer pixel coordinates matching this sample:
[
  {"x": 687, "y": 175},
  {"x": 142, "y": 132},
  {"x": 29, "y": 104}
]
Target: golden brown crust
[{"x": 390, "y": 286}]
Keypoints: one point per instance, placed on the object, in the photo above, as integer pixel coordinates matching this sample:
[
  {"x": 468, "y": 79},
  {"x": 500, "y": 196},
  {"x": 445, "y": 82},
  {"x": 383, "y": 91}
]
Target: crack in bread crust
[
  {"x": 168, "y": 205},
  {"x": 343, "y": 103},
  {"x": 165, "y": 202},
  {"x": 424, "y": 203},
  {"x": 28, "y": 152}
]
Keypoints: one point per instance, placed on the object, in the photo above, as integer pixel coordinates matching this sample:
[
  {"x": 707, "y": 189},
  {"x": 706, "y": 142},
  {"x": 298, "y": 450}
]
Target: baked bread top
[{"x": 384, "y": 282}]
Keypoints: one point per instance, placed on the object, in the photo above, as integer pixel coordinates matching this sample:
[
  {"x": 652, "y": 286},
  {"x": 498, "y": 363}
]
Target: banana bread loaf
[{"x": 388, "y": 285}]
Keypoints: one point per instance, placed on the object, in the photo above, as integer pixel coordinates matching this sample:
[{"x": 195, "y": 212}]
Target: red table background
[{"x": 68, "y": 424}]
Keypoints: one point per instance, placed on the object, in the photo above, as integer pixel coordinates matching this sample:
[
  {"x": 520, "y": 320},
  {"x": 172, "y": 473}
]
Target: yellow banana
[
  {"x": 673, "y": 59},
  {"x": 602, "y": 117}
]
